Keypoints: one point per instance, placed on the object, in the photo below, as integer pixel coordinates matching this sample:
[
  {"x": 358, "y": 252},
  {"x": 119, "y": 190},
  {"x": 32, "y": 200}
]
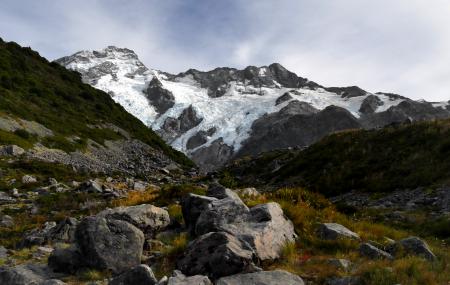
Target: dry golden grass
[{"x": 134, "y": 198}]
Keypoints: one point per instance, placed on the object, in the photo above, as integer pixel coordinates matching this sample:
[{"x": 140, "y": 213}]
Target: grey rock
[
  {"x": 414, "y": 246},
  {"x": 7, "y": 221},
  {"x": 3, "y": 252},
  {"x": 179, "y": 278},
  {"x": 200, "y": 138},
  {"x": 347, "y": 92},
  {"x": 28, "y": 179},
  {"x": 66, "y": 260},
  {"x": 91, "y": 186},
  {"x": 192, "y": 206},
  {"x": 262, "y": 278},
  {"x": 333, "y": 231},
  {"x": 109, "y": 244},
  {"x": 213, "y": 156},
  {"x": 216, "y": 254},
  {"x": 370, "y": 104},
  {"x": 372, "y": 252},
  {"x": 25, "y": 274},
  {"x": 283, "y": 98},
  {"x": 53, "y": 282},
  {"x": 145, "y": 217},
  {"x": 12, "y": 150},
  {"x": 6, "y": 199},
  {"x": 38, "y": 236},
  {"x": 139, "y": 275}
]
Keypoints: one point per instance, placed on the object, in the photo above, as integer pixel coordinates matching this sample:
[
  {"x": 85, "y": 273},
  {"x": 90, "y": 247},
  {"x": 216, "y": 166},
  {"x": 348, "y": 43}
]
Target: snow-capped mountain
[{"x": 220, "y": 114}]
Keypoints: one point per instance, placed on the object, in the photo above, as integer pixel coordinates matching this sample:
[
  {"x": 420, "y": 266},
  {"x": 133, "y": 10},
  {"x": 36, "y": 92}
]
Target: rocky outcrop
[
  {"x": 66, "y": 260},
  {"x": 200, "y": 138},
  {"x": 139, "y": 275},
  {"x": 192, "y": 206},
  {"x": 216, "y": 254},
  {"x": 213, "y": 156},
  {"x": 109, "y": 244},
  {"x": 333, "y": 231},
  {"x": 159, "y": 97},
  {"x": 173, "y": 128},
  {"x": 64, "y": 231},
  {"x": 262, "y": 278},
  {"x": 283, "y": 98},
  {"x": 370, "y": 104},
  {"x": 296, "y": 125}
]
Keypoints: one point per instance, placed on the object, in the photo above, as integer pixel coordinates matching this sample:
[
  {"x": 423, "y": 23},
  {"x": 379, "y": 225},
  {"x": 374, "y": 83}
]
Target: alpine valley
[{"x": 112, "y": 173}]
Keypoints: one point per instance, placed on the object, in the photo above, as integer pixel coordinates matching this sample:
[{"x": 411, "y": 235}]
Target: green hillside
[
  {"x": 396, "y": 157},
  {"x": 34, "y": 89}
]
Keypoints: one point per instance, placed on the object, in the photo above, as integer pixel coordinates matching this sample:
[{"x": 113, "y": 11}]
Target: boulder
[
  {"x": 139, "y": 275},
  {"x": 414, "y": 246},
  {"x": 145, "y": 217},
  {"x": 192, "y": 206},
  {"x": 25, "y": 274},
  {"x": 65, "y": 260},
  {"x": 28, "y": 179},
  {"x": 179, "y": 278},
  {"x": 333, "y": 231},
  {"x": 38, "y": 236},
  {"x": 216, "y": 254},
  {"x": 7, "y": 221},
  {"x": 6, "y": 199},
  {"x": 348, "y": 280},
  {"x": 3, "y": 252},
  {"x": 373, "y": 252},
  {"x": 340, "y": 263},
  {"x": 262, "y": 278},
  {"x": 109, "y": 244},
  {"x": 91, "y": 186},
  {"x": 13, "y": 150}
]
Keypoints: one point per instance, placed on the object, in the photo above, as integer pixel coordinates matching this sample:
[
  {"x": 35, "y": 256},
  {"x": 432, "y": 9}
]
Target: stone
[
  {"x": 248, "y": 192},
  {"x": 12, "y": 150},
  {"x": 65, "y": 260},
  {"x": 6, "y": 199},
  {"x": 415, "y": 246},
  {"x": 3, "y": 252},
  {"x": 192, "y": 206},
  {"x": 333, "y": 231},
  {"x": 24, "y": 274},
  {"x": 340, "y": 263},
  {"x": 145, "y": 217},
  {"x": 139, "y": 275},
  {"x": 109, "y": 244},
  {"x": 139, "y": 186},
  {"x": 64, "y": 231},
  {"x": 38, "y": 236},
  {"x": 91, "y": 186},
  {"x": 179, "y": 278},
  {"x": 275, "y": 277},
  {"x": 348, "y": 280},
  {"x": 373, "y": 252},
  {"x": 7, "y": 221},
  {"x": 215, "y": 255},
  {"x": 53, "y": 282},
  {"x": 28, "y": 179}
]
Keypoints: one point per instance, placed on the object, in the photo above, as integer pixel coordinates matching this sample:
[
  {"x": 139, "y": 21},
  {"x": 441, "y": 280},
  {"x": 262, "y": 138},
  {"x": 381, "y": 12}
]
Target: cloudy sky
[{"x": 400, "y": 46}]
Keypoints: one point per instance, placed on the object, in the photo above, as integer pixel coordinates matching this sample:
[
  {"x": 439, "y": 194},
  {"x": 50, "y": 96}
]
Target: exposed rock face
[
  {"x": 145, "y": 217},
  {"x": 217, "y": 154},
  {"x": 370, "y": 104},
  {"x": 216, "y": 254},
  {"x": 199, "y": 138},
  {"x": 333, "y": 231},
  {"x": 162, "y": 99},
  {"x": 372, "y": 252},
  {"x": 414, "y": 246},
  {"x": 139, "y": 275},
  {"x": 347, "y": 92},
  {"x": 173, "y": 128},
  {"x": 291, "y": 127},
  {"x": 109, "y": 244},
  {"x": 12, "y": 150},
  {"x": 262, "y": 278},
  {"x": 283, "y": 98}
]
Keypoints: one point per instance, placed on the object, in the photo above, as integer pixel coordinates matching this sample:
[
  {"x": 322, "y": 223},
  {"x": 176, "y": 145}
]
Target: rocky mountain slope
[
  {"x": 227, "y": 113},
  {"x": 48, "y": 114}
]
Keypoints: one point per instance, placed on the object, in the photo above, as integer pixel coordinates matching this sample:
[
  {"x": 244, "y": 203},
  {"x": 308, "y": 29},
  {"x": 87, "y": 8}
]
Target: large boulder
[
  {"x": 179, "y": 278},
  {"x": 333, "y": 231},
  {"x": 139, "y": 275},
  {"x": 52, "y": 232},
  {"x": 108, "y": 244},
  {"x": 145, "y": 217},
  {"x": 216, "y": 254},
  {"x": 264, "y": 227},
  {"x": 192, "y": 206},
  {"x": 414, "y": 246},
  {"x": 262, "y": 278}
]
